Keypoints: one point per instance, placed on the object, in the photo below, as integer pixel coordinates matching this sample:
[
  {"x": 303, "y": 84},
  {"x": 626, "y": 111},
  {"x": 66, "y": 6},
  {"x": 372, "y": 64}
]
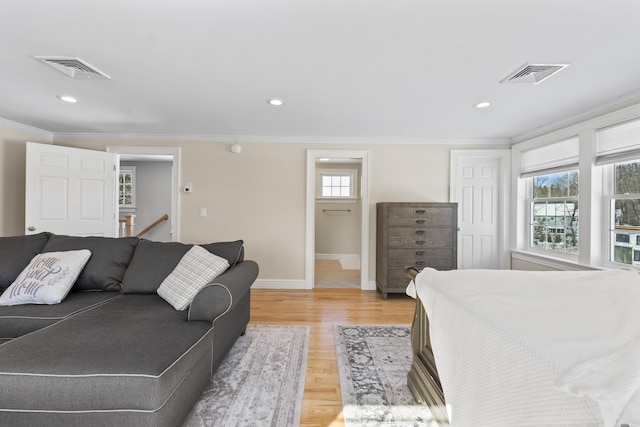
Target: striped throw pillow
[{"x": 197, "y": 268}]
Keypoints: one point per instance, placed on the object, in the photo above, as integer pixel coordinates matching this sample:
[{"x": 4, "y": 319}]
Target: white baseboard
[
  {"x": 293, "y": 284},
  {"x": 371, "y": 286},
  {"x": 278, "y": 284},
  {"x": 337, "y": 256}
]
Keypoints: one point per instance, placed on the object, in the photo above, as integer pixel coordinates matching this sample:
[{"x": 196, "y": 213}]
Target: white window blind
[
  {"x": 618, "y": 143},
  {"x": 556, "y": 157}
]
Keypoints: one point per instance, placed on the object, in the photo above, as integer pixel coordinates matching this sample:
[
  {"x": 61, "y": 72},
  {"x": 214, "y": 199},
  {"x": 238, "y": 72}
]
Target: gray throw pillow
[
  {"x": 153, "y": 261},
  {"x": 109, "y": 260},
  {"x": 16, "y": 252}
]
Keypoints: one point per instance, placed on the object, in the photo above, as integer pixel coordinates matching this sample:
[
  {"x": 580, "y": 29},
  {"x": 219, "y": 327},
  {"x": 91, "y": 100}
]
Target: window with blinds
[
  {"x": 556, "y": 157},
  {"x": 618, "y": 147},
  {"x": 552, "y": 171},
  {"x": 618, "y": 143}
]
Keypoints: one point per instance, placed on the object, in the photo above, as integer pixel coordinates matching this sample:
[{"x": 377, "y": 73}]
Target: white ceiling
[{"x": 349, "y": 70}]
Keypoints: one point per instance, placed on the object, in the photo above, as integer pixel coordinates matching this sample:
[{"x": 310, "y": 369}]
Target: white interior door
[
  {"x": 479, "y": 178},
  {"x": 70, "y": 191}
]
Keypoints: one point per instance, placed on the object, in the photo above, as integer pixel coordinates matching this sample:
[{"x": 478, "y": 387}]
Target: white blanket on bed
[{"x": 584, "y": 325}]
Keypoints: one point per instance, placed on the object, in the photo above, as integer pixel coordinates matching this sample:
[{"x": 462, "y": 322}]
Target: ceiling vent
[
  {"x": 533, "y": 73},
  {"x": 73, "y": 67}
]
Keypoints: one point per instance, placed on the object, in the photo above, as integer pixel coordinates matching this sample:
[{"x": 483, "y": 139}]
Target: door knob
[{"x": 32, "y": 228}]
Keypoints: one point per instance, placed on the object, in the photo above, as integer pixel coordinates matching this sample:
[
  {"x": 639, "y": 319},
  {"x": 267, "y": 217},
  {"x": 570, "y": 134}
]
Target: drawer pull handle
[
  {"x": 420, "y": 252},
  {"x": 420, "y": 232},
  {"x": 420, "y": 211},
  {"x": 420, "y": 221},
  {"x": 420, "y": 262},
  {"x": 420, "y": 242}
]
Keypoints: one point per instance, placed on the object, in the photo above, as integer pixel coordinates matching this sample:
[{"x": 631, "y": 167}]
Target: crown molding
[
  {"x": 614, "y": 105},
  {"x": 59, "y": 136},
  {"x": 26, "y": 128}
]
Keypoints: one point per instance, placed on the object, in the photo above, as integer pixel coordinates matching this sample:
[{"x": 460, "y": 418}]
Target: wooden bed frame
[{"x": 423, "y": 379}]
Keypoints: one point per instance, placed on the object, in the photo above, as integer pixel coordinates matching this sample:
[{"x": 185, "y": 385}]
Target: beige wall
[
  {"x": 259, "y": 194},
  {"x": 12, "y": 170}
]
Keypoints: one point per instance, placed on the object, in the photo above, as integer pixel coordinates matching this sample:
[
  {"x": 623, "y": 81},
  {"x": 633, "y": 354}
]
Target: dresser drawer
[
  {"x": 418, "y": 216},
  {"x": 420, "y": 237},
  {"x": 439, "y": 258},
  {"x": 396, "y": 280}
]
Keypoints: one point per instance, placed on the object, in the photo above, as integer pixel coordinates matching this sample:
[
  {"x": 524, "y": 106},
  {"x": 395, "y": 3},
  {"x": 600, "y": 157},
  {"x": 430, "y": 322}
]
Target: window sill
[
  {"x": 549, "y": 261},
  {"x": 334, "y": 200}
]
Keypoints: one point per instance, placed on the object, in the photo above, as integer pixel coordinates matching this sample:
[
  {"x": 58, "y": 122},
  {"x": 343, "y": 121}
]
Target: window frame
[
  {"x": 609, "y": 227},
  {"x": 531, "y": 201},
  {"x": 603, "y": 140},
  {"x": 353, "y": 187},
  {"x": 131, "y": 170}
]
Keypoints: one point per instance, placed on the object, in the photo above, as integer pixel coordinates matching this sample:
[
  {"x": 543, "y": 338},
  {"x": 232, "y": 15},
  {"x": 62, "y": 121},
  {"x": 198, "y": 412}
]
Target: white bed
[{"x": 517, "y": 348}]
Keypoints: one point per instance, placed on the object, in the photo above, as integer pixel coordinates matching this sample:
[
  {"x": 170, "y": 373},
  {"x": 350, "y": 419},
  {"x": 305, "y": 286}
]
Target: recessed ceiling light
[
  {"x": 67, "y": 98},
  {"x": 275, "y": 102},
  {"x": 484, "y": 104},
  {"x": 324, "y": 159}
]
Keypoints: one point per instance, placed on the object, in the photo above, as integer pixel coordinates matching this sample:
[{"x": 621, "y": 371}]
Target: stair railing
[{"x": 155, "y": 223}]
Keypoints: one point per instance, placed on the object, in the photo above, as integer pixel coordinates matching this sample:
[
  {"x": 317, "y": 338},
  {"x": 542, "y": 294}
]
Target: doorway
[
  {"x": 156, "y": 173},
  {"x": 337, "y": 228},
  {"x": 338, "y": 215}
]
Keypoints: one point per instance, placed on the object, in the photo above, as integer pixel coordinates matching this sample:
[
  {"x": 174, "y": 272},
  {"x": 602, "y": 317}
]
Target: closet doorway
[{"x": 337, "y": 219}]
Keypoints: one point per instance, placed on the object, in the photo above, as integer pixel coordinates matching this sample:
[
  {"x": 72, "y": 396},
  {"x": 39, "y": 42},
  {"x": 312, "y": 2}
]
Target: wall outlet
[
  {"x": 188, "y": 187},
  {"x": 203, "y": 212}
]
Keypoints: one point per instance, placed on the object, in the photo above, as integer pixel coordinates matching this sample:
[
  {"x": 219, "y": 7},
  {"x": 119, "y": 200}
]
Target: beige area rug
[
  {"x": 260, "y": 382},
  {"x": 373, "y": 362}
]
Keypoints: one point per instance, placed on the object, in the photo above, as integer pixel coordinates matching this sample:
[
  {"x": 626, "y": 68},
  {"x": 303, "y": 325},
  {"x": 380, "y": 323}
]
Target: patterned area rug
[
  {"x": 373, "y": 362},
  {"x": 260, "y": 382}
]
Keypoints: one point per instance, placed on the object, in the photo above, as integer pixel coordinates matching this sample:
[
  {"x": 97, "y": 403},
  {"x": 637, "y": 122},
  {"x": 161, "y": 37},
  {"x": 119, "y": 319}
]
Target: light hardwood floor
[
  {"x": 330, "y": 274},
  {"x": 321, "y": 309}
]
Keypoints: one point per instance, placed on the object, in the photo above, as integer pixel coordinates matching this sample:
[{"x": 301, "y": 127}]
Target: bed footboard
[{"x": 423, "y": 379}]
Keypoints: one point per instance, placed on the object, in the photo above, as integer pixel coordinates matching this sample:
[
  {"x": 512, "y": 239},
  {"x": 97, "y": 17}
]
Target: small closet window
[{"x": 336, "y": 184}]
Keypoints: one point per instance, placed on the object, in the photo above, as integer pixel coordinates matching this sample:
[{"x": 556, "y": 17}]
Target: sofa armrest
[{"x": 220, "y": 296}]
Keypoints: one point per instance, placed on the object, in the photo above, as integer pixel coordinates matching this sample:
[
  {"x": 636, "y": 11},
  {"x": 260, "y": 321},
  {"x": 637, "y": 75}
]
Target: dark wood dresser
[{"x": 413, "y": 234}]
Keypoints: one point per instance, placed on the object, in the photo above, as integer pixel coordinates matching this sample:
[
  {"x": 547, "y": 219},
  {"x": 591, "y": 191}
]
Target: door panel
[
  {"x": 70, "y": 191},
  {"x": 477, "y": 188}
]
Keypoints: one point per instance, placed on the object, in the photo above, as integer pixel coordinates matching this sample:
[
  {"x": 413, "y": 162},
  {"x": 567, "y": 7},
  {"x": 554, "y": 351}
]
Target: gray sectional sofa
[{"x": 113, "y": 352}]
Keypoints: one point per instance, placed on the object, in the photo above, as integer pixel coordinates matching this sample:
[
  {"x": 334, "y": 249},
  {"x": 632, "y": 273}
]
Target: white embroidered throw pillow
[
  {"x": 196, "y": 269},
  {"x": 47, "y": 279}
]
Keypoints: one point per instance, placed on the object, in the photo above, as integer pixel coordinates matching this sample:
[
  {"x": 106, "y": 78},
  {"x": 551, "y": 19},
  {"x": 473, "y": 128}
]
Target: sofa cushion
[
  {"x": 15, "y": 254},
  {"x": 19, "y": 320},
  {"x": 231, "y": 251},
  {"x": 47, "y": 279},
  {"x": 153, "y": 261},
  {"x": 196, "y": 269},
  {"x": 135, "y": 343},
  {"x": 110, "y": 258}
]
